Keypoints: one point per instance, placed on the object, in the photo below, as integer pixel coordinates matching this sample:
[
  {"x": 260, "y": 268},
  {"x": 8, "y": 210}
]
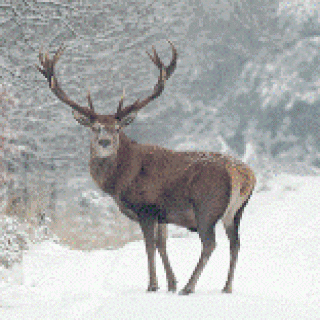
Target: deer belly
[
  {"x": 181, "y": 217},
  {"x": 136, "y": 210}
]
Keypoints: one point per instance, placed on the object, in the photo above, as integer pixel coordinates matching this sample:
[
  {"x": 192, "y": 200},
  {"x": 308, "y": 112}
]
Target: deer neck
[{"x": 110, "y": 172}]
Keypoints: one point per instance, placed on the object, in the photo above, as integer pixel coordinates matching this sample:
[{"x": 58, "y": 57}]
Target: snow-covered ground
[{"x": 277, "y": 277}]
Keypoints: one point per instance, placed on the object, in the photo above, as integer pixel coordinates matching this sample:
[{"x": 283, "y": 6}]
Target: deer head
[{"x": 105, "y": 129}]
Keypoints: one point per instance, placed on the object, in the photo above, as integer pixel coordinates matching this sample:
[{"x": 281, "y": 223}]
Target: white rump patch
[{"x": 236, "y": 201}]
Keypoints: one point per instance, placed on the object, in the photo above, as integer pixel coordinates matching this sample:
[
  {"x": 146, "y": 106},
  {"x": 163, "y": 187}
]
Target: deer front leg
[{"x": 149, "y": 226}]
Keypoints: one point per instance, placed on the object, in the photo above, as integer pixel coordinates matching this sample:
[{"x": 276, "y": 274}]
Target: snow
[{"x": 277, "y": 276}]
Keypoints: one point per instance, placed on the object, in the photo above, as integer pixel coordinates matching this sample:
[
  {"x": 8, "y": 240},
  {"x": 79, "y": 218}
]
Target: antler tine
[
  {"x": 41, "y": 56},
  {"x": 46, "y": 58},
  {"x": 119, "y": 109},
  {"x": 155, "y": 58},
  {"x": 172, "y": 66},
  {"x": 122, "y": 98},
  {"x": 58, "y": 53},
  {"x": 41, "y": 59},
  {"x": 90, "y": 101}
]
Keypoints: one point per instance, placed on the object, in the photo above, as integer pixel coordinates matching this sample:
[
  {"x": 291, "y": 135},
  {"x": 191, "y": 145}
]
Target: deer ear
[
  {"x": 128, "y": 119},
  {"x": 80, "y": 118}
]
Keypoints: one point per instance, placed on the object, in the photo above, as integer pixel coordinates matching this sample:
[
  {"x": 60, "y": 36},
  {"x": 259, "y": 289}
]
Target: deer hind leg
[
  {"x": 161, "y": 245},
  {"x": 208, "y": 245},
  {"x": 232, "y": 232},
  {"x": 149, "y": 227}
]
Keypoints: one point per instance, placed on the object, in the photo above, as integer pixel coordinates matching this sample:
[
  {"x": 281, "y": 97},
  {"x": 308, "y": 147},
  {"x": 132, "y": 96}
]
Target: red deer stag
[{"x": 156, "y": 186}]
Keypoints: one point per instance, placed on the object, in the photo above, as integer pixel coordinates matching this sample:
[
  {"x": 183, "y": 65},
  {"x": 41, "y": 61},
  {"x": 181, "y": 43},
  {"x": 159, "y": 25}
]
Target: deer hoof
[
  {"x": 227, "y": 290},
  {"x": 172, "y": 287},
  {"x": 153, "y": 288},
  {"x": 185, "y": 291}
]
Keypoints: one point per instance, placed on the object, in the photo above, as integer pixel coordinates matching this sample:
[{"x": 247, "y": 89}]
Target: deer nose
[{"x": 104, "y": 143}]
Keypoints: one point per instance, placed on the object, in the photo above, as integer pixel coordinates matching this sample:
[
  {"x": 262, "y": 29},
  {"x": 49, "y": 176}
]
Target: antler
[
  {"x": 87, "y": 115},
  {"x": 49, "y": 73},
  {"x": 165, "y": 73}
]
